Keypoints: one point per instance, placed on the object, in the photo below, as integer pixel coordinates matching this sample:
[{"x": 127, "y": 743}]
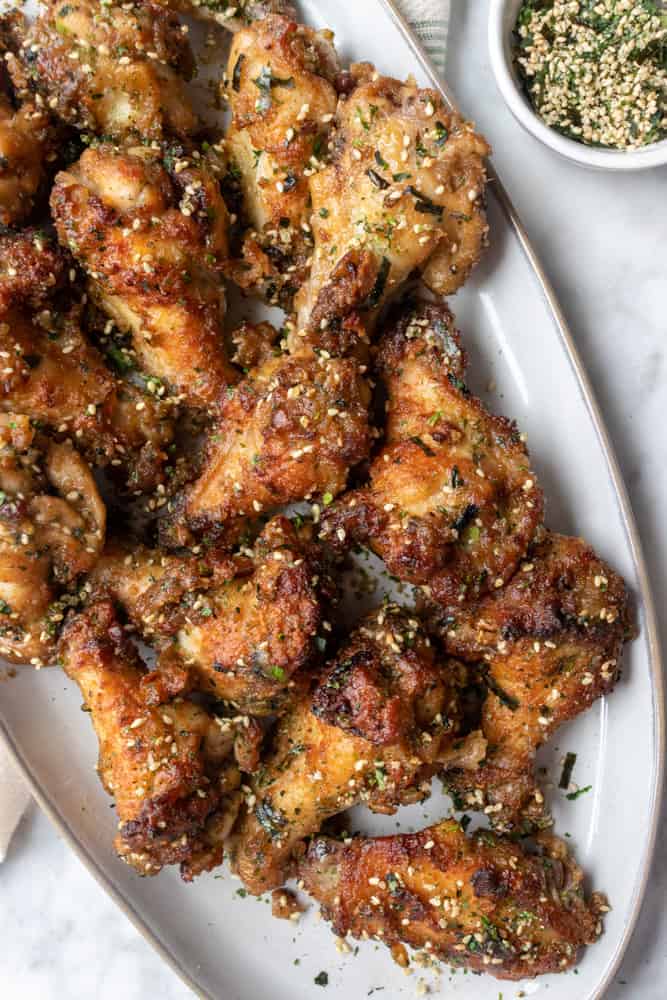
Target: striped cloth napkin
[{"x": 430, "y": 19}]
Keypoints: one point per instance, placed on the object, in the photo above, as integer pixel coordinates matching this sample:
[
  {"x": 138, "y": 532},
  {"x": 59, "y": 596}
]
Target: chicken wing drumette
[
  {"x": 150, "y": 228},
  {"x": 549, "y": 644},
  {"x": 452, "y": 503},
  {"x": 279, "y": 85},
  {"x": 381, "y": 717},
  {"x": 116, "y": 69},
  {"x": 480, "y": 903},
  {"x": 52, "y": 527},
  {"x": 242, "y": 626},
  {"x": 169, "y": 766},
  {"x": 290, "y": 431},
  {"x": 403, "y": 193},
  {"x": 55, "y": 376}
]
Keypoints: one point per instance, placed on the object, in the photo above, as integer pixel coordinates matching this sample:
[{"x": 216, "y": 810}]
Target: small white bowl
[{"x": 502, "y": 18}]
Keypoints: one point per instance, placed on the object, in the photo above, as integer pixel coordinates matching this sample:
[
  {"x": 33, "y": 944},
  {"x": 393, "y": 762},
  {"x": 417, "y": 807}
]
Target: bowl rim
[{"x": 500, "y": 47}]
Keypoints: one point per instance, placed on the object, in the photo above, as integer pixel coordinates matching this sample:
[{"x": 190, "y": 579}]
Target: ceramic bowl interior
[{"x": 502, "y": 18}]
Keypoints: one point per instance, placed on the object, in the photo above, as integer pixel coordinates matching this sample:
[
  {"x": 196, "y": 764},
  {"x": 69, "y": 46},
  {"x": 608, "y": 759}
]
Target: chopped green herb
[
  {"x": 579, "y": 792},
  {"x": 568, "y": 767}
]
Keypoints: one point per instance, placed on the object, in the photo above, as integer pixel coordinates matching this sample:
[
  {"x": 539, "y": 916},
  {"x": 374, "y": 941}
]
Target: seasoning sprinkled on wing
[
  {"x": 452, "y": 503},
  {"x": 380, "y": 719},
  {"x": 480, "y": 903},
  {"x": 115, "y": 69},
  {"x": 404, "y": 192},
  {"x": 169, "y": 766},
  {"x": 547, "y": 645},
  {"x": 149, "y": 227}
]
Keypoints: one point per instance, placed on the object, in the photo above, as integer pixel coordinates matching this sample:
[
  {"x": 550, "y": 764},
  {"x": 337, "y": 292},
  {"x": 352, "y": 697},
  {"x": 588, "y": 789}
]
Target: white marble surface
[{"x": 603, "y": 243}]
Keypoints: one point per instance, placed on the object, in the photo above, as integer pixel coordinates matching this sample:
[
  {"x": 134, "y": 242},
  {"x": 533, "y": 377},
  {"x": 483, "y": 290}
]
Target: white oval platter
[{"x": 227, "y": 946}]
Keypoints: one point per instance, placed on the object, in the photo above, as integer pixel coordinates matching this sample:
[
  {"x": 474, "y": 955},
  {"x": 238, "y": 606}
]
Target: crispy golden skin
[
  {"x": 150, "y": 228},
  {"x": 550, "y": 642},
  {"x": 243, "y": 626},
  {"x": 116, "y": 69},
  {"x": 51, "y": 373},
  {"x": 26, "y": 140},
  {"x": 452, "y": 502},
  {"x": 403, "y": 192},
  {"x": 168, "y": 765},
  {"x": 290, "y": 431},
  {"x": 233, "y": 16},
  {"x": 279, "y": 87},
  {"x": 382, "y": 716},
  {"x": 480, "y": 903},
  {"x": 52, "y": 528}
]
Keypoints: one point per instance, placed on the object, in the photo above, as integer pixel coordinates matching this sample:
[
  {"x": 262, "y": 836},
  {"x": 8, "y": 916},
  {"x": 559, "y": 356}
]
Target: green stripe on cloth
[{"x": 430, "y": 21}]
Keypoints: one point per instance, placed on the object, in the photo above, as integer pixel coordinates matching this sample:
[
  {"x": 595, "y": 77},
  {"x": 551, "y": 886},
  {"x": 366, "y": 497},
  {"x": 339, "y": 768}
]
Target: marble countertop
[{"x": 602, "y": 242}]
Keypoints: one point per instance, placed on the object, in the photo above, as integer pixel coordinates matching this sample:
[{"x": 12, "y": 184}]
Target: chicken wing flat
[
  {"x": 479, "y": 903},
  {"x": 380, "y": 718},
  {"x": 550, "y": 645},
  {"x": 233, "y": 16},
  {"x": 150, "y": 229},
  {"x": 279, "y": 86},
  {"x": 116, "y": 69},
  {"x": 243, "y": 626},
  {"x": 403, "y": 192},
  {"x": 52, "y": 528},
  {"x": 452, "y": 503},
  {"x": 168, "y": 765},
  {"x": 290, "y": 431},
  {"x": 55, "y": 376}
]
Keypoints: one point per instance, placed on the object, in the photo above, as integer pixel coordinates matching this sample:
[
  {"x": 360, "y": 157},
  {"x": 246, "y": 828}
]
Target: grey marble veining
[{"x": 602, "y": 240}]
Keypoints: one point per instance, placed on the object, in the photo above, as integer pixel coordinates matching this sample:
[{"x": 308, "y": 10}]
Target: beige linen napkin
[{"x": 14, "y": 797}]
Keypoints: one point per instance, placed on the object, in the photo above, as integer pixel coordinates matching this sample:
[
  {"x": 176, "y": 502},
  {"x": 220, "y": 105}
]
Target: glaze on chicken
[
  {"x": 381, "y": 717},
  {"x": 452, "y": 503},
  {"x": 478, "y": 903}
]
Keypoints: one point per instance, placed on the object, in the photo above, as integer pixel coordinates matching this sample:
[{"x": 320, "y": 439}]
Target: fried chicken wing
[
  {"x": 150, "y": 229},
  {"x": 233, "y": 16},
  {"x": 243, "y": 626},
  {"x": 480, "y": 903},
  {"x": 381, "y": 717},
  {"x": 116, "y": 69},
  {"x": 279, "y": 88},
  {"x": 54, "y": 375},
  {"x": 403, "y": 193},
  {"x": 452, "y": 503},
  {"x": 27, "y": 142},
  {"x": 290, "y": 431},
  {"x": 52, "y": 528},
  {"x": 168, "y": 765},
  {"x": 550, "y": 642}
]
